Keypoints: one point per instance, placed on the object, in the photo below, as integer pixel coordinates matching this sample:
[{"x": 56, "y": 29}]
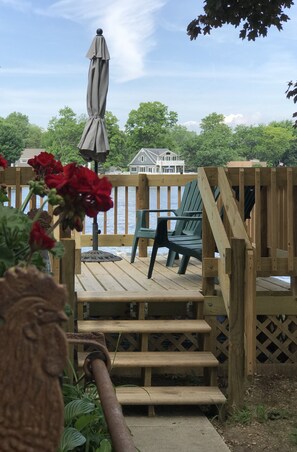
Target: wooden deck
[{"x": 128, "y": 282}]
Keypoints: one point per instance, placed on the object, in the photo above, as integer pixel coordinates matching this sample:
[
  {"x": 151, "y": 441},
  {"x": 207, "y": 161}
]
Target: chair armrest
[
  {"x": 182, "y": 217},
  {"x": 141, "y": 216},
  {"x": 162, "y": 229},
  {"x": 193, "y": 212},
  {"x": 156, "y": 210}
]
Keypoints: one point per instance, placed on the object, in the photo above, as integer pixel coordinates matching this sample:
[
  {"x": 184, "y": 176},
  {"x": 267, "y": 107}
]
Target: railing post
[
  {"x": 250, "y": 313},
  {"x": 236, "y": 361},
  {"x": 67, "y": 277},
  {"x": 143, "y": 202}
]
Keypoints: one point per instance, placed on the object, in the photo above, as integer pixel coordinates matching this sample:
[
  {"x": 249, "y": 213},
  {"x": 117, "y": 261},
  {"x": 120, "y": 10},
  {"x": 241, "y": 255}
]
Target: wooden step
[
  {"x": 170, "y": 395},
  {"x": 170, "y": 296},
  {"x": 143, "y": 326},
  {"x": 159, "y": 359}
]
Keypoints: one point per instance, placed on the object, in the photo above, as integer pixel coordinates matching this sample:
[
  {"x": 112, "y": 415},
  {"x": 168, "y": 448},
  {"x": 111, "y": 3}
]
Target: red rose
[
  {"x": 44, "y": 164},
  {"x": 39, "y": 240},
  {"x": 3, "y": 162}
]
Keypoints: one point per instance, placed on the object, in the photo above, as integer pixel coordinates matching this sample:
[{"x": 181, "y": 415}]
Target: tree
[
  {"x": 266, "y": 143},
  {"x": 255, "y": 17},
  {"x": 247, "y": 141},
  {"x": 63, "y": 135},
  {"x": 116, "y": 137},
  {"x": 185, "y": 143},
  {"x": 34, "y": 137},
  {"x": 214, "y": 142},
  {"x": 292, "y": 92},
  {"x": 20, "y": 122},
  {"x": 11, "y": 142},
  {"x": 149, "y": 126}
]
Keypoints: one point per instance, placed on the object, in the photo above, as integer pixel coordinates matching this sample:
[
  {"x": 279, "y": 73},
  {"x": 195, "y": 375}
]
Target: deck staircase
[{"x": 149, "y": 362}]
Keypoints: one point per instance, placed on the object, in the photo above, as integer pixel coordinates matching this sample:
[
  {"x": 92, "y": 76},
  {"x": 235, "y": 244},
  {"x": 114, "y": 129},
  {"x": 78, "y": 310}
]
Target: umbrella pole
[{"x": 95, "y": 223}]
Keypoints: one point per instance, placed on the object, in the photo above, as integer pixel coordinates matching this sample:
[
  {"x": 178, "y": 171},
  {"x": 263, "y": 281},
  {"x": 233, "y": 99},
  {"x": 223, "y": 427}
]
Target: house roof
[
  {"x": 152, "y": 153},
  {"x": 28, "y": 153}
]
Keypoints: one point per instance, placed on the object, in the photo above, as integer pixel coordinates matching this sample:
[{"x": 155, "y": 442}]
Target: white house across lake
[{"x": 151, "y": 160}]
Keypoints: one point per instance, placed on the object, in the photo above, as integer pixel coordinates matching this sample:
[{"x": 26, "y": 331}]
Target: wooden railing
[
  {"x": 271, "y": 229},
  {"x": 269, "y": 241},
  {"x": 130, "y": 192}
]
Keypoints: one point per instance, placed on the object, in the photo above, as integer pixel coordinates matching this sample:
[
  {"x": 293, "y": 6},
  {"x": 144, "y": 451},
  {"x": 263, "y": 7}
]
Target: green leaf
[
  {"x": 76, "y": 408},
  {"x": 58, "y": 250},
  {"x": 105, "y": 446},
  {"x": 71, "y": 438},
  {"x": 85, "y": 420}
]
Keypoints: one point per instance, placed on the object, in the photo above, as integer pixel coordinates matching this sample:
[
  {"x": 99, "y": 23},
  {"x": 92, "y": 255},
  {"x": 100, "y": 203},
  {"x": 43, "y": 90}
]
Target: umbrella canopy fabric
[{"x": 94, "y": 144}]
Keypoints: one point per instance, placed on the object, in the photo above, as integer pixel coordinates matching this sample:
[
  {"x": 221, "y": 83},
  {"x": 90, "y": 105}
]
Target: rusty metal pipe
[{"x": 119, "y": 432}]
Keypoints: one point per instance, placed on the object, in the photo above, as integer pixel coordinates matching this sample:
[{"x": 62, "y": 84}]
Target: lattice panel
[
  {"x": 173, "y": 342},
  {"x": 222, "y": 338},
  {"x": 276, "y": 339},
  {"x": 157, "y": 342},
  {"x": 122, "y": 343}
]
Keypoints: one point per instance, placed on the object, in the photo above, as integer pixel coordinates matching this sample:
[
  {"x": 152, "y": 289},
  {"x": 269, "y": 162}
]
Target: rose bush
[{"x": 73, "y": 190}]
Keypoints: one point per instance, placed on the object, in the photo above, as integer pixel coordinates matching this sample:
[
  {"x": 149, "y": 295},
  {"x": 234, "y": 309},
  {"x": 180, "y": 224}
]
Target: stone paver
[{"x": 173, "y": 431}]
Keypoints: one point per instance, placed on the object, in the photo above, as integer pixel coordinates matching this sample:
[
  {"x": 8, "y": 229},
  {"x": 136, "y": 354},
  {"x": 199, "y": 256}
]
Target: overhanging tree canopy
[{"x": 255, "y": 16}]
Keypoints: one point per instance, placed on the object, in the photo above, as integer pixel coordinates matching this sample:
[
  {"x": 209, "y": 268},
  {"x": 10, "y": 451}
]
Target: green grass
[
  {"x": 259, "y": 413},
  {"x": 242, "y": 416}
]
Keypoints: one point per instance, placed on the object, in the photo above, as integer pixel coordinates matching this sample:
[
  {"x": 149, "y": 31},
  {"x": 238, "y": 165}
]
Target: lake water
[
  {"x": 121, "y": 213},
  {"x": 131, "y": 211}
]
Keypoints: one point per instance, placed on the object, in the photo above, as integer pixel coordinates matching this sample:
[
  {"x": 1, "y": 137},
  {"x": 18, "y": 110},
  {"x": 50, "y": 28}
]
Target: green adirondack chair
[
  {"x": 191, "y": 245},
  {"x": 191, "y": 204}
]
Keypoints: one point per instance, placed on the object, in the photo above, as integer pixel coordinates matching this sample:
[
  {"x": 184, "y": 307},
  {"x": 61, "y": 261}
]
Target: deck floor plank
[
  {"x": 88, "y": 281},
  {"x": 138, "y": 273},
  {"x": 167, "y": 277},
  {"x": 102, "y": 274},
  {"x": 122, "y": 277},
  {"x": 126, "y": 279}
]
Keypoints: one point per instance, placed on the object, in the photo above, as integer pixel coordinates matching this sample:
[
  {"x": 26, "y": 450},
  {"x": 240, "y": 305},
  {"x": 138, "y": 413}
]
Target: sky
[{"x": 43, "y": 64}]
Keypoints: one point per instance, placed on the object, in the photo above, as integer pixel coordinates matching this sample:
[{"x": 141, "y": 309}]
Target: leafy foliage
[
  {"x": 292, "y": 93},
  {"x": 215, "y": 142},
  {"x": 11, "y": 142},
  {"x": 254, "y": 16},
  {"x": 63, "y": 135},
  {"x": 117, "y": 156},
  {"x": 15, "y": 227},
  {"x": 185, "y": 143},
  {"x": 149, "y": 126},
  {"x": 85, "y": 427},
  {"x": 34, "y": 137},
  {"x": 272, "y": 143}
]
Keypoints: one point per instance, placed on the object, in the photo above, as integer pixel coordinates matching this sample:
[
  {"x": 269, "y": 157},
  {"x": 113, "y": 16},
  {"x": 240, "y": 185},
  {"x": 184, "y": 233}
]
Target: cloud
[
  {"x": 232, "y": 120},
  {"x": 194, "y": 126},
  {"x": 240, "y": 119},
  {"x": 131, "y": 22}
]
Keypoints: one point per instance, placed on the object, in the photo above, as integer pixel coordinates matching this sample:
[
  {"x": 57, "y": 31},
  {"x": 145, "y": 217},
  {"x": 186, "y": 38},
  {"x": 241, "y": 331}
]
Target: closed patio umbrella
[{"x": 94, "y": 144}]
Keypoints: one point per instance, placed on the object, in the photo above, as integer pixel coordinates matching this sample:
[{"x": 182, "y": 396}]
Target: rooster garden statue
[{"x": 33, "y": 353}]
